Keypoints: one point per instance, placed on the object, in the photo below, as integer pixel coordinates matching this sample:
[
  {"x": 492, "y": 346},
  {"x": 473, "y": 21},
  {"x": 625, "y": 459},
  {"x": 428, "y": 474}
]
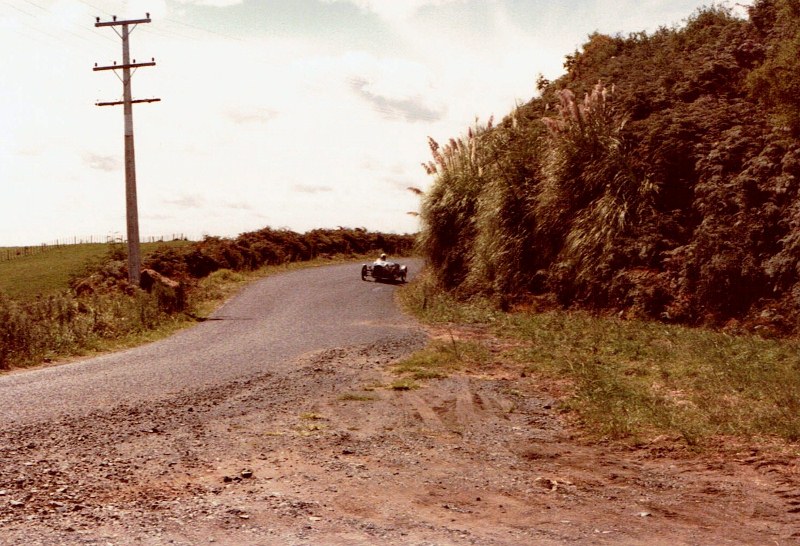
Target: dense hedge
[
  {"x": 669, "y": 189},
  {"x": 267, "y": 246}
]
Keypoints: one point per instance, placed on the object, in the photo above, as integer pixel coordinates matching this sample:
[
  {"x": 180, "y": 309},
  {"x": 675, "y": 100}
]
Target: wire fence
[{"x": 14, "y": 252}]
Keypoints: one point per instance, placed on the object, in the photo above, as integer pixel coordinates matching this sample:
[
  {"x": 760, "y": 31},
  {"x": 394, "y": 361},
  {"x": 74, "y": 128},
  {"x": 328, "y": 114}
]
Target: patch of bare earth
[{"x": 319, "y": 453}]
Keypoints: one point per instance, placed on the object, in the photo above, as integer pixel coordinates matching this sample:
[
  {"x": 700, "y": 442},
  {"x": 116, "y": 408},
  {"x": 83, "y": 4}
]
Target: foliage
[
  {"x": 52, "y": 271},
  {"x": 65, "y": 324},
  {"x": 776, "y": 82},
  {"x": 623, "y": 379},
  {"x": 101, "y": 305},
  {"x": 657, "y": 178},
  {"x": 252, "y": 250}
]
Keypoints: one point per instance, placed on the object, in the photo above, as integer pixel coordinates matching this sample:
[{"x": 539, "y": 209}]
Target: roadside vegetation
[
  {"x": 92, "y": 307},
  {"x": 628, "y": 380},
  {"x": 632, "y": 234},
  {"x": 51, "y": 271},
  {"x": 659, "y": 178}
]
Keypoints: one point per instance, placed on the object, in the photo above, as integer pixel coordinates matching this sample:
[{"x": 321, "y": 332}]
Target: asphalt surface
[{"x": 265, "y": 327}]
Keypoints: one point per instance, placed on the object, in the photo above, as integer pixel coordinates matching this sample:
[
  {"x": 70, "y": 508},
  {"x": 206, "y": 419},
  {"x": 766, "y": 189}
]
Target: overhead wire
[
  {"x": 35, "y": 4},
  {"x": 189, "y": 25},
  {"x": 34, "y": 22}
]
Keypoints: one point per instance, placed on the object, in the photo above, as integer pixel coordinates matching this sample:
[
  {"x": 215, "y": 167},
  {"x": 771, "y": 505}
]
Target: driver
[{"x": 381, "y": 260}]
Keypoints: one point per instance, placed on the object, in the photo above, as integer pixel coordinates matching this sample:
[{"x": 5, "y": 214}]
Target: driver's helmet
[{"x": 383, "y": 257}]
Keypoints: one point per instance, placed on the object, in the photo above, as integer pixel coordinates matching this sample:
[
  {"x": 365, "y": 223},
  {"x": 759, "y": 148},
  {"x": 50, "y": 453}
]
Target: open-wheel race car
[{"x": 382, "y": 270}]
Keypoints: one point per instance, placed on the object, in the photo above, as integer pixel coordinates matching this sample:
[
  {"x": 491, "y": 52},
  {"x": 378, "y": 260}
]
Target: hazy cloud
[
  {"x": 259, "y": 115},
  {"x": 411, "y": 109},
  {"x": 238, "y": 206},
  {"x": 214, "y": 3},
  {"x": 106, "y": 163},
  {"x": 305, "y": 188},
  {"x": 186, "y": 202},
  {"x": 393, "y": 10},
  {"x": 157, "y": 216}
]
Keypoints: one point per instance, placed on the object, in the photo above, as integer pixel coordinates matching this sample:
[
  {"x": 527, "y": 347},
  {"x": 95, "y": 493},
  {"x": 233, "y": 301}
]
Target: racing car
[{"x": 382, "y": 270}]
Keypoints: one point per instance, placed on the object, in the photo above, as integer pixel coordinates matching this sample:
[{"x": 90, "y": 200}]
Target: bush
[
  {"x": 102, "y": 305},
  {"x": 672, "y": 193}
]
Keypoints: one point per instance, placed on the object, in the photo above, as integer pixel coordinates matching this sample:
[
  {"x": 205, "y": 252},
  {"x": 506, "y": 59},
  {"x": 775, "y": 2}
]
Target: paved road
[{"x": 263, "y": 328}]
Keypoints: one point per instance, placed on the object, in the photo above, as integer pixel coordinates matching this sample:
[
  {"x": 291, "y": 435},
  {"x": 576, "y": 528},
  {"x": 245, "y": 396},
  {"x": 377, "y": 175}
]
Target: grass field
[
  {"x": 50, "y": 271},
  {"x": 625, "y": 379}
]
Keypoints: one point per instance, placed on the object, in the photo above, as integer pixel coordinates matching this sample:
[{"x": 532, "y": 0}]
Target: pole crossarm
[
  {"x": 122, "y": 66},
  {"x": 115, "y": 23},
  {"x": 119, "y": 102}
]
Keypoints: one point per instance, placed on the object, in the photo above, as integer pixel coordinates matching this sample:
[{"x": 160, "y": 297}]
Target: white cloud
[
  {"x": 214, "y": 3},
  {"x": 102, "y": 162},
  {"x": 274, "y": 127},
  {"x": 394, "y": 10}
]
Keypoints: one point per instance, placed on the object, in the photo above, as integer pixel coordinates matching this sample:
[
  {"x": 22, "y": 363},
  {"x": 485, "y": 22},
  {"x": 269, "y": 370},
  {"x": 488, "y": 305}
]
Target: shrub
[{"x": 672, "y": 193}]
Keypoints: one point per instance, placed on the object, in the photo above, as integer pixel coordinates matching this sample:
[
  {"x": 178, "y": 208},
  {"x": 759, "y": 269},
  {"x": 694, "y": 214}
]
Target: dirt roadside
[{"x": 322, "y": 454}]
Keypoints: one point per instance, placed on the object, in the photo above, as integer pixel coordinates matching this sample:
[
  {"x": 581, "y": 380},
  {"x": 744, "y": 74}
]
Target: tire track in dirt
[
  {"x": 288, "y": 458},
  {"x": 319, "y": 450}
]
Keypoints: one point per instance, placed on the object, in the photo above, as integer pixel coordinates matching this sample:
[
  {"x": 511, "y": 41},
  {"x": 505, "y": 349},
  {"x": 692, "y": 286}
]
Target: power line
[
  {"x": 35, "y": 5},
  {"x": 34, "y": 20},
  {"x": 182, "y": 23}
]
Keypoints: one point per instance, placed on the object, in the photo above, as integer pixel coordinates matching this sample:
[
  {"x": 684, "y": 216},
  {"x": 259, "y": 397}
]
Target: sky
[{"x": 295, "y": 114}]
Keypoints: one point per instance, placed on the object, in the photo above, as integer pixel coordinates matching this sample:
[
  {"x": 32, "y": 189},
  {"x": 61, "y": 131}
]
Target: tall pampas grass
[
  {"x": 592, "y": 194},
  {"x": 448, "y": 208}
]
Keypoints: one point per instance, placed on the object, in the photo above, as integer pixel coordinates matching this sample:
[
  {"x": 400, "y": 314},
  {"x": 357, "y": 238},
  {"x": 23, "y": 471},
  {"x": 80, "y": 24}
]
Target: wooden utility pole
[{"x": 131, "y": 202}]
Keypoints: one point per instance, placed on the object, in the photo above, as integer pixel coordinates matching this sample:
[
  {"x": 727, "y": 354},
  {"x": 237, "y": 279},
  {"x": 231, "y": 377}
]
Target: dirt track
[{"x": 314, "y": 451}]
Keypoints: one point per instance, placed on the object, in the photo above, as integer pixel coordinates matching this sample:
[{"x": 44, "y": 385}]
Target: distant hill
[{"x": 658, "y": 177}]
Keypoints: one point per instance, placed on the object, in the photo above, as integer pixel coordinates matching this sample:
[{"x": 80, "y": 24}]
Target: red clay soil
[{"x": 322, "y": 454}]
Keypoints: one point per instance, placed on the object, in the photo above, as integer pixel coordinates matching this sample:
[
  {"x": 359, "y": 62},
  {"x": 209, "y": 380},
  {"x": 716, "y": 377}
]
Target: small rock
[
  {"x": 644, "y": 514},
  {"x": 16, "y": 503},
  {"x": 246, "y": 473}
]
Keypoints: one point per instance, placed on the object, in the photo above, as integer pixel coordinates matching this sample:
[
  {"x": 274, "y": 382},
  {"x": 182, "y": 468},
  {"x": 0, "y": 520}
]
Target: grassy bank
[
  {"x": 85, "y": 303},
  {"x": 60, "y": 327},
  {"x": 50, "y": 271},
  {"x": 630, "y": 380}
]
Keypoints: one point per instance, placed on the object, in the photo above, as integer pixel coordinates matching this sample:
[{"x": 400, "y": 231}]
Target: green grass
[
  {"x": 356, "y": 397},
  {"x": 442, "y": 358},
  {"x": 637, "y": 380},
  {"x": 403, "y": 384},
  {"x": 633, "y": 378},
  {"x": 50, "y": 271}
]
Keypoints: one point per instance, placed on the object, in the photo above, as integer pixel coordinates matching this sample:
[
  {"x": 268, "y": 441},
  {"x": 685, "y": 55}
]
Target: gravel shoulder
[{"x": 319, "y": 450}]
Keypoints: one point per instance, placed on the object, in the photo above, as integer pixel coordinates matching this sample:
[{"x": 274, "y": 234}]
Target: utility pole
[{"x": 131, "y": 202}]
